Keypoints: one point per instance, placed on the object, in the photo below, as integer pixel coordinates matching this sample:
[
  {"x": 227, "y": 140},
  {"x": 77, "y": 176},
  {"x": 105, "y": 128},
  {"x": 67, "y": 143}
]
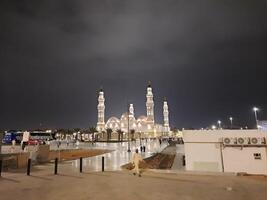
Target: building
[
  {"x": 144, "y": 124},
  {"x": 262, "y": 125},
  {"x": 226, "y": 151}
]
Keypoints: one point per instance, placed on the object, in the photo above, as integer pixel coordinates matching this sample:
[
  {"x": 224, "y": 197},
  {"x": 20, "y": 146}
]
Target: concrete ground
[
  {"x": 69, "y": 185},
  {"x": 113, "y": 160},
  {"x": 178, "y": 160}
]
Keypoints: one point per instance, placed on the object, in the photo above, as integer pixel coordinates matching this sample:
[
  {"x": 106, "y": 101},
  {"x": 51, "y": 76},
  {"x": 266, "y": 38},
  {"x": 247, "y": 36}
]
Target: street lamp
[
  {"x": 219, "y": 123},
  {"x": 231, "y": 120},
  {"x": 255, "y": 109},
  {"x": 129, "y": 149},
  {"x": 139, "y": 128}
]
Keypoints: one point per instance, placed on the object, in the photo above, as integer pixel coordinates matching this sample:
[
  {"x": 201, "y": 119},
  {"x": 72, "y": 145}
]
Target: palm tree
[
  {"x": 109, "y": 131},
  {"x": 78, "y": 133},
  {"x": 120, "y": 134},
  {"x": 92, "y": 130},
  {"x": 132, "y": 131}
]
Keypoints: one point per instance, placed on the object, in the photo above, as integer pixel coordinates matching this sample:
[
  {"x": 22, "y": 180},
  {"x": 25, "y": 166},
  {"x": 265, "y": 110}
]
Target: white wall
[
  {"x": 242, "y": 160},
  {"x": 203, "y": 157},
  {"x": 204, "y": 152}
]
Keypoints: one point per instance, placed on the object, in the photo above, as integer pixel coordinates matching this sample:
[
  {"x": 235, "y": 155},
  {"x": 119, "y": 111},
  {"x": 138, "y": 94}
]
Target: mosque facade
[{"x": 144, "y": 124}]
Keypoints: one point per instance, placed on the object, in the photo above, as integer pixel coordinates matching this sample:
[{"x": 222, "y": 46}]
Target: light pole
[
  {"x": 231, "y": 120},
  {"x": 255, "y": 109},
  {"x": 140, "y": 133},
  {"x": 129, "y": 149},
  {"x": 219, "y": 124}
]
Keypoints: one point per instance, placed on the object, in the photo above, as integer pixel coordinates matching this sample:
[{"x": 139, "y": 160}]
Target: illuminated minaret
[
  {"x": 166, "y": 126},
  {"x": 101, "y": 112},
  {"x": 150, "y": 105},
  {"x": 131, "y": 110}
]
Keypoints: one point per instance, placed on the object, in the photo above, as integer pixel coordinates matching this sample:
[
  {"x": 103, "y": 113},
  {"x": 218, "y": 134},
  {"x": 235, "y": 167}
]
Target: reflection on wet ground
[{"x": 118, "y": 157}]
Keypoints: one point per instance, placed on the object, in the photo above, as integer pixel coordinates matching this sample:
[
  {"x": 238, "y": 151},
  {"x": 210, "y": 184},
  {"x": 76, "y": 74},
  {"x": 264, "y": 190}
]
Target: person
[
  {"x": 13, "y": 146},
  {"x": 23, "y": 145},
  {"x": 136, "y": 160},
  {"x": 58, "y": 143}
]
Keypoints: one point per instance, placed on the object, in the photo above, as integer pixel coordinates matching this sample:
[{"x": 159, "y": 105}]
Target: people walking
[{"x": 136, "y": 159}]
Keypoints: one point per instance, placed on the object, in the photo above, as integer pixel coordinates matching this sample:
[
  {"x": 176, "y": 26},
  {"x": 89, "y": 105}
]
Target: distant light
[
  {"x": 255, "y": 109},
  {"x": 231, "y": 118},
  {"x": 213, "y": 127}
]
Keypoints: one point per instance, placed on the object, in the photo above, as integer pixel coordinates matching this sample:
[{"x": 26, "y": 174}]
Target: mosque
[{"x": 144, "y": 125}]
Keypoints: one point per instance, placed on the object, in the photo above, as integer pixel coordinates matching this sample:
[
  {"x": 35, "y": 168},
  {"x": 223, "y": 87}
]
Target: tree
[
  {"x": 92, "y": 130},
  {"x": 120, "y": 134},
  {"x": 78, "y": 133},
  {"x": 77, "y": 129},
  {"x": 109, "y": 131},
  {"x": 132, "y": 131}
]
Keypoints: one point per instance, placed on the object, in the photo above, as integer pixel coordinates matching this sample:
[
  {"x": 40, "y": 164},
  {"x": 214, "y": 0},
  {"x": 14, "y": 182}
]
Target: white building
[
  {"x": 143, "y": 124},
  {"x": 262, "y": 125},
  {"x": 226, "y": 151}
]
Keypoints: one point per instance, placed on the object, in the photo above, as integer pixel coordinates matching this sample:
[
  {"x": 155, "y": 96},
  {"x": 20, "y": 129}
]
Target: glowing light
[{"x": 255, "y": 109}]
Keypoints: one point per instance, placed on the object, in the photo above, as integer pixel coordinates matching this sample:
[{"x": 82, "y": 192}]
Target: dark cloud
[{"x": 207, "y": 57}]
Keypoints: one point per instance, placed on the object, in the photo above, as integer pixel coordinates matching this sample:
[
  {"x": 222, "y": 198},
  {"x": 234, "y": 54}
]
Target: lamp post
[
  {"x": 231, "y": 120},
  {"x": 219, "y": 124},
  {"x": 129, "y": 149},
  {"x": 140, "y": 133},
  {"x": 255, "y": 109}
]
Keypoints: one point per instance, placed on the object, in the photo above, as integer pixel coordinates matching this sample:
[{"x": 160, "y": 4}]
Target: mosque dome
[
  {"x": 142, "y": 118},
  {"x": 113, "y": 123},
  {"x": 124, "y": 117}
]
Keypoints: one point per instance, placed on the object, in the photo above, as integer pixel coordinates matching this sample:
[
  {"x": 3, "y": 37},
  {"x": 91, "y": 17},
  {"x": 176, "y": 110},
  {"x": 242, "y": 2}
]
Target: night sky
[{"x": 208, "y": 58}]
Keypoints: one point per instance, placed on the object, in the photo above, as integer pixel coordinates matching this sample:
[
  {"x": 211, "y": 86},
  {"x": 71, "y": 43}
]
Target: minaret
[
  {"x": 131, "y": 110},
  {"x": 166, "y": 126},
  {"x": 101, "y": 112},
  {"x": 150, "y": 105}
]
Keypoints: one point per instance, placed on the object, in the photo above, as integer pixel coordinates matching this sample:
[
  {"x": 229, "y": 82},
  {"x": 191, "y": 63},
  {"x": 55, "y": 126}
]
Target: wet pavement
[
  {"x": 113, "y": 160},
  {"x": 118, "y": 157}
]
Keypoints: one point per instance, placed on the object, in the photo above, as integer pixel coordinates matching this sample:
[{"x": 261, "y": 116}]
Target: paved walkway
[
  {"x": 122, "y": 185},
  {"x": 115, "y": 159},
  {"x": 69, "y": 184},
  {"x": 178, "y": 160}
]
